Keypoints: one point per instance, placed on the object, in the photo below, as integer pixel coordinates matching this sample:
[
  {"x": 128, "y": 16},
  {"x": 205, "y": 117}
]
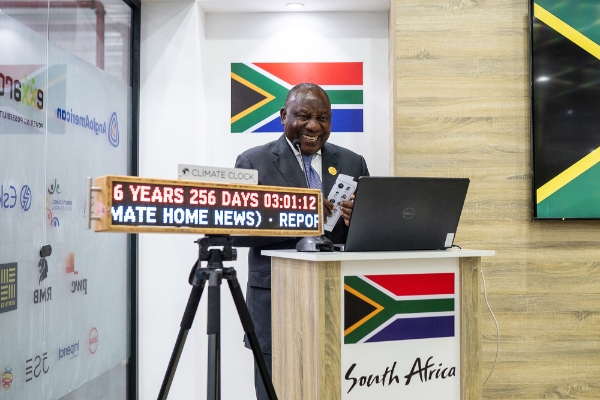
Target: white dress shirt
[{"x": 316, "y": 163}]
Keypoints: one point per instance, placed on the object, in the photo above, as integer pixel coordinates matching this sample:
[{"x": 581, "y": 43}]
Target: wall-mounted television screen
[{"x": 565, "y": 120}]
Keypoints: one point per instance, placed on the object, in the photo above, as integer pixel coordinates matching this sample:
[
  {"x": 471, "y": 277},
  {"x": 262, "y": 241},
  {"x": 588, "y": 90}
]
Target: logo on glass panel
[
  {"x": 90, "y": 122},
  {"x": 9, "y": 197},
  {"x": 25, "y": 198},
  {"x": 93, "y": 340},
  {"x": 8, "y": 287},
  {"x": 7, "y": 377},
  {"x": 113, "y": 130}
]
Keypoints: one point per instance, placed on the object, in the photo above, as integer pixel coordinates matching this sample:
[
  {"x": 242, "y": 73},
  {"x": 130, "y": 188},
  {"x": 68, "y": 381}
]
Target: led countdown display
[{"x": 132, "y": 204}]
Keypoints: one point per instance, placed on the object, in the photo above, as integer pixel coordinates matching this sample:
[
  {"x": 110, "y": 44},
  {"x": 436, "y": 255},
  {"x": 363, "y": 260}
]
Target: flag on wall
[
  {"x": 381, "y": 308},
  {"x": 565, "y": 73},
  {"x": 258, "y": 92}
]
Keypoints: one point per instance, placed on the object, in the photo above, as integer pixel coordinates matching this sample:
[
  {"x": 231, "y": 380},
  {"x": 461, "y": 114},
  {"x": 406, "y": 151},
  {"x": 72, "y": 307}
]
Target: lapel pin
[{"x": 332, "y": 170}]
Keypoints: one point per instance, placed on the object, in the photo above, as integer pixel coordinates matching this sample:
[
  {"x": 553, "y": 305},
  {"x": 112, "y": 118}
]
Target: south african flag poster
[
  {"x": 383, "y": 308},
  {"x": 258, "y": 92}
]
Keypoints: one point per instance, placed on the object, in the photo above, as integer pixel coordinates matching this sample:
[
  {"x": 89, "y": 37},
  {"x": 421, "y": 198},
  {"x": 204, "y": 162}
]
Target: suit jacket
[{"x": 277, "y": 166}]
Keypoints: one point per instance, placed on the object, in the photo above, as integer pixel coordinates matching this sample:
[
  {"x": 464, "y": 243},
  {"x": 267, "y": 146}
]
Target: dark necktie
[{"x": 314, "y": 182}]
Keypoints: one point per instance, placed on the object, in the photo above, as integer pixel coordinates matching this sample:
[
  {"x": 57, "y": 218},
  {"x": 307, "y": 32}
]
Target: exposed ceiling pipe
[{"x": 97, "y": 6}]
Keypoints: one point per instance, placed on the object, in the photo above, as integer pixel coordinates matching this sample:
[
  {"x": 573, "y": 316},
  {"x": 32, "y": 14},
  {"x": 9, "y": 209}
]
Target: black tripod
[{"x": 214, "y": 273}]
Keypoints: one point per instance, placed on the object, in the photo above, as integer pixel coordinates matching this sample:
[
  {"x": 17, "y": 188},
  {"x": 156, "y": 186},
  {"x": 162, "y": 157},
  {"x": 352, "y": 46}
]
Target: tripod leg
[
  {"x": 185, "y": 326},
  {"x": 214, "y": 335},
  {"x": 248, "y": 325}
]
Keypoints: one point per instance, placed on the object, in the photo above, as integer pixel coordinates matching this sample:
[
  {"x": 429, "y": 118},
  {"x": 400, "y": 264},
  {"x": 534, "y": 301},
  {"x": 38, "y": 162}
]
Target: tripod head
[
  {"x": 227, "y": 254},
  {"x": 215, "y": 257}
]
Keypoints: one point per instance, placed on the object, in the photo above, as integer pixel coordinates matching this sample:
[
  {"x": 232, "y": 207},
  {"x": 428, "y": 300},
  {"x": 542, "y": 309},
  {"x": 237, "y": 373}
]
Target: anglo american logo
[{"x": 96, "y": 126}]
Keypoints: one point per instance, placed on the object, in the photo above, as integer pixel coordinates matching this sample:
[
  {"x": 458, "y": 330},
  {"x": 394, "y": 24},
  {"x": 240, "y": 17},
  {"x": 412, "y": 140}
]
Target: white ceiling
[{"x": 249, "y": 6}]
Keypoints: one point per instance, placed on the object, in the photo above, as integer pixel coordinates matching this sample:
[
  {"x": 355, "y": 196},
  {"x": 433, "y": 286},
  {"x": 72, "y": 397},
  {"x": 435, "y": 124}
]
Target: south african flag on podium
[
  {"x": 258, "y": 91},
  {"x": 383, "y": 308}
]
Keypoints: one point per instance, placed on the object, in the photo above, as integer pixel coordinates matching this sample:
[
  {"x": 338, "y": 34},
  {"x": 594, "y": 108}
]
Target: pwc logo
[{"x": 93, "y": 340}]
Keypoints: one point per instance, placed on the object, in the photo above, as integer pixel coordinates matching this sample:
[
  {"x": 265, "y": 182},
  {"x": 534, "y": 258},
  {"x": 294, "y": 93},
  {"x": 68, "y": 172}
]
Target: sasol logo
[
  {"x": 22, "y": 91},
  {"x": 113, "y": 130},
  {"x": 10, "y": 196}
]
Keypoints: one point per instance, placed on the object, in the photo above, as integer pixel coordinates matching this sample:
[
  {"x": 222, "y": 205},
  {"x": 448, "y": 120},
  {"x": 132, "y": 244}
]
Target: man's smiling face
[{"x": 307, "y": 117}]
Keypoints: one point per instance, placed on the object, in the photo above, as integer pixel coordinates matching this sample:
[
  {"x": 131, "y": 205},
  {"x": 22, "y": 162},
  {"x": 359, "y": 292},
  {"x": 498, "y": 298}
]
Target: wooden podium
[{"x": 378, "y": 325}]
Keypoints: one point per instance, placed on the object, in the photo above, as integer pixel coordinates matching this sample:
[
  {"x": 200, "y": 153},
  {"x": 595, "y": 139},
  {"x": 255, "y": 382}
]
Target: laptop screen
[{"x": 396, "y": 213}]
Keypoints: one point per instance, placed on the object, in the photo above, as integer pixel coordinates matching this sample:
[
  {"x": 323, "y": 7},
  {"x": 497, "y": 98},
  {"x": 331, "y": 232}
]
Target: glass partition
[{"x": 66, "y": 113}]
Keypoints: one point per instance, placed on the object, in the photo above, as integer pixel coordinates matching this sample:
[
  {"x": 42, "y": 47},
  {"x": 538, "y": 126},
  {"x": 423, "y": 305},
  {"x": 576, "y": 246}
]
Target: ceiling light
[
  {"x": 294, "y": 6},
  {"x": 543, "y": 79}
]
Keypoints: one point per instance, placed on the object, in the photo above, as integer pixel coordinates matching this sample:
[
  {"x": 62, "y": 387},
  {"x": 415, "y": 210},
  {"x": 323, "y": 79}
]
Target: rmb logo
[
  {"x": 113, "y": 130},
  {"x": 43, "y": 269}
]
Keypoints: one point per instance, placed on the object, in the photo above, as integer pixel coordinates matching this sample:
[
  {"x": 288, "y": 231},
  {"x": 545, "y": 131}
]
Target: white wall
[
  {"x": 170, "y": 132},
  {"x": 185, "y": 105},
  {"x": 298, "y": 37}
]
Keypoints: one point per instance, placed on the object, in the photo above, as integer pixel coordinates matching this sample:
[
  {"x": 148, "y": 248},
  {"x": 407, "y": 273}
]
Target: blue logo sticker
[
  {"x": 113, "y": 130},
  {"x": 25, "y": 198}
]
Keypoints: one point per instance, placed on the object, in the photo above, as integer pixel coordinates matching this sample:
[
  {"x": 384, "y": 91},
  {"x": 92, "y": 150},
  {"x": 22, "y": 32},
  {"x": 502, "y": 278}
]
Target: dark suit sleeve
[
  {"x": 253, "y": 241},
  {"x": 364, "y": 167}
]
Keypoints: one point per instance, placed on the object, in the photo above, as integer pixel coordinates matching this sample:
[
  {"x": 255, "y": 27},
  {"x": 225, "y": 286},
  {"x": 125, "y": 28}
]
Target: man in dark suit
[{"x": 306, "y": 117}]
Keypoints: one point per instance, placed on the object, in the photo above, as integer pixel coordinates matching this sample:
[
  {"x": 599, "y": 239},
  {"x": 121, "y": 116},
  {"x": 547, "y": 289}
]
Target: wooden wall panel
[{"x": 461, "y": 109}]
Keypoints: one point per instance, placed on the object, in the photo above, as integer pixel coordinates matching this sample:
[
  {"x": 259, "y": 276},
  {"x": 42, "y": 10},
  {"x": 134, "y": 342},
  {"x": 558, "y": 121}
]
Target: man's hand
[
  {"x": 346, "y": 208},
  {"x": 328, "y": 208}
]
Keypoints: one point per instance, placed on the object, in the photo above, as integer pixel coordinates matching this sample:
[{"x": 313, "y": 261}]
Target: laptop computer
[{"x": 396, "y": 213}]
